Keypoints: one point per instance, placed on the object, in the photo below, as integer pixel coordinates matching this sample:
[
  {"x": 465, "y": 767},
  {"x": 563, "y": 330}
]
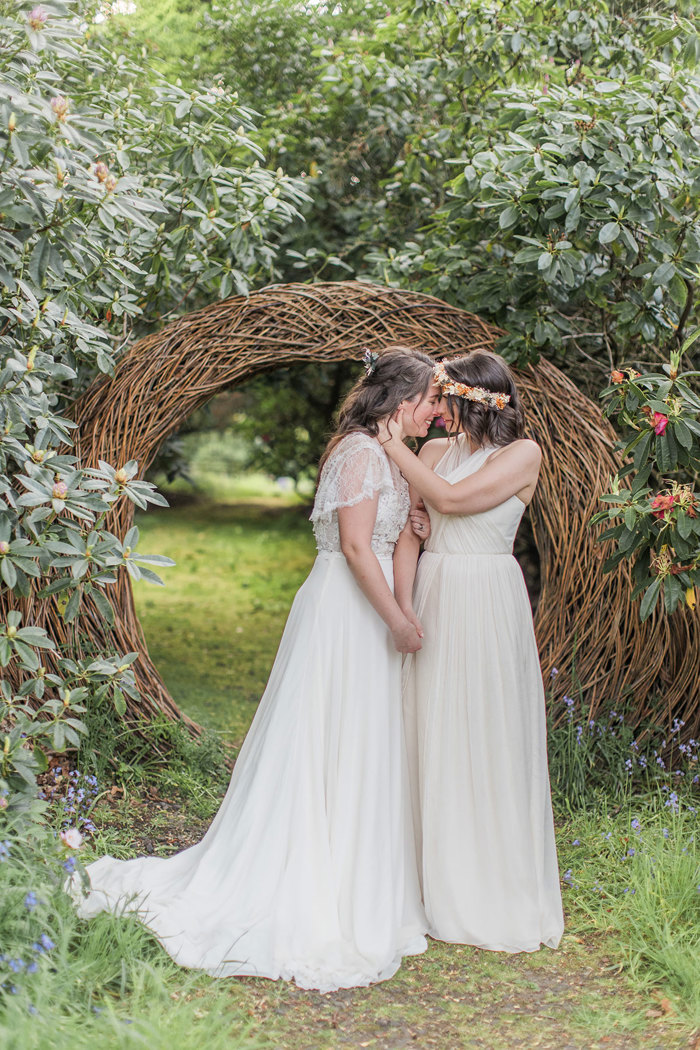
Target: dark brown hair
[
  {"x": 400, "y": 374},
  {"x": 483, "y": 424}
]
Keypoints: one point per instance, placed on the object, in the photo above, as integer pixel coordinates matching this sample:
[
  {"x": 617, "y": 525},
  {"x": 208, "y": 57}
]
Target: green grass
[{"x": 213, "y": 630}]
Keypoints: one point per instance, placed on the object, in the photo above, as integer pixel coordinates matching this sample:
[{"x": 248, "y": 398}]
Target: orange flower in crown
[{"x": 470, "y": 393}]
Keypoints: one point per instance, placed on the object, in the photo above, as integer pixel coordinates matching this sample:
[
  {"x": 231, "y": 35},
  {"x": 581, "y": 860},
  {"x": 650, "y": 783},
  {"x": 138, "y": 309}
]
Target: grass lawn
[{"x": 213, "y": 630}]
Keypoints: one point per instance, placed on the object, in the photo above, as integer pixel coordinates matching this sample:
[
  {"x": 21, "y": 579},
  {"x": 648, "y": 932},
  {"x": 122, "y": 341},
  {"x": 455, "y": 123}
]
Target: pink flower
[
  {"x": 59, "y": 105},
  {"x": 439, "y": 422},
  {"x": 659, "y": 422},
  {"x": 661, "y": 504},
  {"x": 60, "y": 490},
  {"x": 617, "y": 377},
  {"x": 72, "y": 838},
  {"x": 101, "y": 171},
  {"x": 36, "y": 17}
]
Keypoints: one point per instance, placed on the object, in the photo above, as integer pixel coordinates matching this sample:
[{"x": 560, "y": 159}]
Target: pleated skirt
[{"x": 476, "y": 732}]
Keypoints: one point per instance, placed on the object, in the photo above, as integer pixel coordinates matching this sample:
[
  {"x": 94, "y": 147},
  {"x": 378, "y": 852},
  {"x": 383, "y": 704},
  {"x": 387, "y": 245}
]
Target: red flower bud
[
  {"x": 661, "y": 504},
  {"x": 659, "y": 422},
  {"x": 617, "y": 377}
]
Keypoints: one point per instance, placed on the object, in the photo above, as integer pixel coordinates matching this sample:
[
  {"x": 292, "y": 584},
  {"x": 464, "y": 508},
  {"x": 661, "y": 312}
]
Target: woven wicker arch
[{"x": 167, "y": 375}]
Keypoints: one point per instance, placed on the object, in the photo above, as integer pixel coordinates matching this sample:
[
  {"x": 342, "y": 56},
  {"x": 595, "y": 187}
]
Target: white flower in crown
[{"x": 470, "y": 393}]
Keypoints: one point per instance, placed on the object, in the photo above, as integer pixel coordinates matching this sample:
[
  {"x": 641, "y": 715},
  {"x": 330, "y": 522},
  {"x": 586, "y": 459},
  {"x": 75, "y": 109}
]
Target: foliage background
[{"x": 534, "y": 162}]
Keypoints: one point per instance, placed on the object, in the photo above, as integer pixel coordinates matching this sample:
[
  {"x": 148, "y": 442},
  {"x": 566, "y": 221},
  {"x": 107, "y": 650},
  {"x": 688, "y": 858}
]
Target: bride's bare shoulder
[
  {"x": 523, "y": 452},
  {"x": 433, "y": 451}
]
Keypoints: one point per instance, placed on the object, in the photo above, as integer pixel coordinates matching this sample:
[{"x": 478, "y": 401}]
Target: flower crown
[{"x": 471, "y": 393}]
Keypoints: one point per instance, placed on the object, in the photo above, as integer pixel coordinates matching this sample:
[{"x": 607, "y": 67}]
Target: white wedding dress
[
  {"x": 308, "y": 871},
  {"x": 476, "y": 733}
]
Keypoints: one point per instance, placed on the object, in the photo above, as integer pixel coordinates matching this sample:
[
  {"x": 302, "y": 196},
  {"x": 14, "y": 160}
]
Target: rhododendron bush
[{"x": 658, "y": 415}]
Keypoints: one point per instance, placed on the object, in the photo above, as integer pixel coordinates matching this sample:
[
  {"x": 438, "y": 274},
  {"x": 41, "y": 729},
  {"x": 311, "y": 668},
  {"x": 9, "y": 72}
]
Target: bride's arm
[
  {"x": 405, "y": 561},
  {"x": 356, "y": 525},
  {"x": 510, "y": 472}
]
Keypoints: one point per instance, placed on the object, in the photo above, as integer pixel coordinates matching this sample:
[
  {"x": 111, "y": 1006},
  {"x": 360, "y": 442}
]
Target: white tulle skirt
[
  {"x": 308, "y": 871},
  {"x": 475, "y": 723}
]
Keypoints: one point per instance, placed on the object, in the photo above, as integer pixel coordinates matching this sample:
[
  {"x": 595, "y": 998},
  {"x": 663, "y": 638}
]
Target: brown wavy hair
[
  {"x": 400, "y": 374},
  {"x": 486, "y": 425}
]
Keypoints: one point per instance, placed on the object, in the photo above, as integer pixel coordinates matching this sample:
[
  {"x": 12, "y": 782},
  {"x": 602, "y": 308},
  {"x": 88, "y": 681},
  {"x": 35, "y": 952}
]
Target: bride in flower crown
[
  {"x": 473, "y": 695},
  {"x": 308, "y": 871}
]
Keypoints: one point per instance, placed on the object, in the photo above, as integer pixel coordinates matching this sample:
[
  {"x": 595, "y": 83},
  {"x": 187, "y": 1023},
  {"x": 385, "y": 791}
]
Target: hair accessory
[
  {"x": 369, "y": 360},
  {"x": 471, "y": 393}
]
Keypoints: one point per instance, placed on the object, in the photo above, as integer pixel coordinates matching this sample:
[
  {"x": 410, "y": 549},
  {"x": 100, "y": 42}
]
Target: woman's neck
[{"x": 473, "y": 446}]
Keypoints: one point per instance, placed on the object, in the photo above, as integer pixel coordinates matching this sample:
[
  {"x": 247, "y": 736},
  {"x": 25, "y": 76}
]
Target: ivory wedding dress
[
  {"x": 475, "y": 723},
  {"x": 308, "y": 871}
]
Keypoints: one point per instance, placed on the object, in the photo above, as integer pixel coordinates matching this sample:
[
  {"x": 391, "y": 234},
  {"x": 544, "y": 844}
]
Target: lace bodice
[{"x": 356, "y": 470}]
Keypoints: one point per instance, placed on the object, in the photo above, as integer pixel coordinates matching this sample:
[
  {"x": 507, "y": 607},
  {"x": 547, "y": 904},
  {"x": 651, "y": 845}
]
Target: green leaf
[
  {"x": 649, "y": 600},
  {"x": 42, "y": 763},
  {"x": 641, "y": 450},
  {"x": 663, "y": 273},
  {"x": 35, "y": 636},
  {"x": 132, "y": 538},
  {"x": 26, "y": 655},
  {"x": 609, "y": 233},
  {"x": 5, "y": 651},
  {"x": 663, "y": 455},
  {"x": 59, "y": 736},
  {"x": 678, "y": 290},
  {"x": 508, "y": 217},
  {"x": 119, "y": 702},
  {"x": 690, "y": 340},
  {"x": 7, "y": 570},
  {"x": 683, "y": 435},
  {"x": 104, "y": 605},
  {"x": 71, "y": 610},
  {"x": 673, "y": 592},
  {"x": 684, "y": 525},
  {"x": 39, "y": 260}
]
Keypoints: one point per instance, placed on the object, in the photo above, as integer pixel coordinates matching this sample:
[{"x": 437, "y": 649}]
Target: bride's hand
[
  {"x": 406, "y": 637},
  {"x": 412, "y": 618},
  {"x": 420, "y": 522},
  {"x": 389, "y": 429}
]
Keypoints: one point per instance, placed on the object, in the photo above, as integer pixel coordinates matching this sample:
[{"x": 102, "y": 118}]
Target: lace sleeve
[{"x": 356, "y": 470}]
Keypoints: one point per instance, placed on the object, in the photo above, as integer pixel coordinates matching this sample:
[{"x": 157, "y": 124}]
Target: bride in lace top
[{"x": 308, "y": 872}]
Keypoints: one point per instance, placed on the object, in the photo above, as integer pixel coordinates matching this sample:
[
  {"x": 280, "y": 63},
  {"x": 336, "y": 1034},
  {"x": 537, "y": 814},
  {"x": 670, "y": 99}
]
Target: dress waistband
[
  {"x": 328, "y": 555},
  {"x": 468, "y": 554}
]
